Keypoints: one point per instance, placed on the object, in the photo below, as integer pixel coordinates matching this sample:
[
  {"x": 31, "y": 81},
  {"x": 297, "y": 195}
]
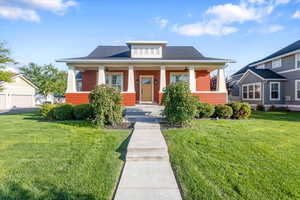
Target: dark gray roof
[
  {"x": 267, "y": 74},
  {"x": 169, "y": 53},
  {"x": 290, "y": 48}
]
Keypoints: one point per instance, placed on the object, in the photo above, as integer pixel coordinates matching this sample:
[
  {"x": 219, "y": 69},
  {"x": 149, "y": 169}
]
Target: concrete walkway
[{"x": 147, "y": 174}]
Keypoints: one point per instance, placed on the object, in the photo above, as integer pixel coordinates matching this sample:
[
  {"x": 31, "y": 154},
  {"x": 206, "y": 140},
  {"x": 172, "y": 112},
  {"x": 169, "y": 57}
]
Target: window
[
  {"x": 276, "y": 63},
  {"x": 115, "y": 79},
  {"x": 262, "y": 66},
  {"x": 179, "y": 76},
  {"x": 245, "y": 92},
  {"x": 298, "y": 60},
  {"x": 297, "y": 87},
  {"x": 274, "y": 90},
  {"x": 252, "y": 91}
]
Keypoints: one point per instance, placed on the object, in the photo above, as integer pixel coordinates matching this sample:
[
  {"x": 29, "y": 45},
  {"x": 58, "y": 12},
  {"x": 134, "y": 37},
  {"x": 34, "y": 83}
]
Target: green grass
[
  {"x": 51, "y": 160},
  {"x": 253, "y": 159}
]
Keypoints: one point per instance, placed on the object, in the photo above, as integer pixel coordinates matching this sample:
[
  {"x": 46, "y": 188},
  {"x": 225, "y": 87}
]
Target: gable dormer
[{"x": 146, "y": 49}]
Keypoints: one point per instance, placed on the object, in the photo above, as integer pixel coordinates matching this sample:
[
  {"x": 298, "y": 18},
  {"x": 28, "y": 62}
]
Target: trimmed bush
[
  {"x": 240, "y": 110},
  {"x": 204, "y": 110},
  {"x": 63, "y": 112},
  {"x": 180, "y": 105},
  {"x": 106, "y": 103},
  {"x": 47, "y": 111},
  {"x": 223, "y": 111},
  {"x": 83, "y": 112},
  {"x": 260, "y": 107}
]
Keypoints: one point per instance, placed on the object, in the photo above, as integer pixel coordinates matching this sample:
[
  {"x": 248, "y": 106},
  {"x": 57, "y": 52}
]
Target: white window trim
[
  {"x": 277, "y": 99},
  {"x": 247, "y": 86},
  {"x": 107, "y": 74},
  {"x": 296, "y": 84},
  {"x": 279, "y": 60},
  {"x": 297, "y": 59},
  {"x": 178, "y": 73}
]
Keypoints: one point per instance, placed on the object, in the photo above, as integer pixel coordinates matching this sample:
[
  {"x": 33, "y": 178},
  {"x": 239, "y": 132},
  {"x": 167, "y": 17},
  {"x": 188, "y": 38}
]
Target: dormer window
[
  {"x": 146, "y": 49},
  {"x": 262, "y": 66},
  {"x": 276, "y": 63}
]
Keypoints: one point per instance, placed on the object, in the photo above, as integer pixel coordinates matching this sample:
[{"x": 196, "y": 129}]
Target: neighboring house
[
  {"x": 142, "y": 69},
  {"x": 53, "y": 99},
  {"x": 20, "y": 93},
  {"x": 274, "y": 80}
]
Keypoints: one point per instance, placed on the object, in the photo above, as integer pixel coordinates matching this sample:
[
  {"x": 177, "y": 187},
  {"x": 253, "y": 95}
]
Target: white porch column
[
  {"x": 131, "y": 88},
  {"x": 101, "y": 75},
  {"x": 221, "y": 83},
  {"x": 192, "y": 79},
  {"x": 71, "y": 84},
  {"x": 162, "y": 82}
]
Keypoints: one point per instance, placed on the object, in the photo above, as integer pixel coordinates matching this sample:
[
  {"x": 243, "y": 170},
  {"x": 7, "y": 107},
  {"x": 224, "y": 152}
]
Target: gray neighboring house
[{"x": 274, "y": 80}]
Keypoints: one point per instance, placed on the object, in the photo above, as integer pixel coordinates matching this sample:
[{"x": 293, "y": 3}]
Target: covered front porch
[{"x": 144, "y": 83}]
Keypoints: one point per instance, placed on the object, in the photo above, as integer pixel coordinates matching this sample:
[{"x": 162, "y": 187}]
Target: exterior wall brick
[
  {"x": 80, "y": 98},
  {"x": 212, "y": 98},
  {"x": 202, "y": 80},
  {"x": 77, "y": 98}
]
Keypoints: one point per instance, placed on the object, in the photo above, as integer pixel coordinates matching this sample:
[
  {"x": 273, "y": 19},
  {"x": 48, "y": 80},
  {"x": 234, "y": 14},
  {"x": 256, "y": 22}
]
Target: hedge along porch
[{"x": 142, "y": 69}]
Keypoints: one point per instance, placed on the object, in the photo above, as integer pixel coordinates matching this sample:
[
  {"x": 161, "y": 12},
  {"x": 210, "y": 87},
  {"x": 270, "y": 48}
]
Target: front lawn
[
  {"x": 250, "y": 159},
  {"x": 51, "y": 160}
]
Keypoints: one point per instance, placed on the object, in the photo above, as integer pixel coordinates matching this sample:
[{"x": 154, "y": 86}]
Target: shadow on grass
[
  {"x": 122, "y": 149},
  {"x": 276, "y": 116},
  {"x": 45, "y": 190}
]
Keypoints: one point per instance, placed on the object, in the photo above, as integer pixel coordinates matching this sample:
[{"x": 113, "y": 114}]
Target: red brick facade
[{"x": 89, "y": 80}]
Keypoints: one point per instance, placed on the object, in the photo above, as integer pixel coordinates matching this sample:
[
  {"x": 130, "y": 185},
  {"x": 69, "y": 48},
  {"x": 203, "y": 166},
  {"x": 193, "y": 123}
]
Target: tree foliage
[
  {"x": 4, "y": 61},
  {"x": 47, "y": 78}
]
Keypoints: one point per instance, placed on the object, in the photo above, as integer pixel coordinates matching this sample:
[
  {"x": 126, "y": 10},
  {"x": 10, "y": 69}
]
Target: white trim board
[{"x": 279, "y": 92}]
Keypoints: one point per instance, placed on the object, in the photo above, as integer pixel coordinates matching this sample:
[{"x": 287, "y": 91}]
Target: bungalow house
[
  {"x": 273, "y": 80},
  {"x": 142, "y": 69}
]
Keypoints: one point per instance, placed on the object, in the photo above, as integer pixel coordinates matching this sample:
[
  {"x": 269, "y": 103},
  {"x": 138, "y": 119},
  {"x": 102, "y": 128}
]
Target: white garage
[{"x": 20, "y": 93}]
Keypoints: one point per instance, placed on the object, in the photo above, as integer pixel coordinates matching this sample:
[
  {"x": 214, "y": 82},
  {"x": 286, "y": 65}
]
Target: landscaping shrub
[
  {"x": 272, "y": 108},
  {"x": 260, "y": 107},
  {"x": 240, "y": 110},
  {"x": 106, "y": 103},
  {"x": 47, "y": 111},
  {"x": 180, "y": 105},
  {"x": 204, "y": 110},
  {"x": 223, "y": 111},
  {"x": 63, "y": 112},
  {"x": 83, "y": 112}
]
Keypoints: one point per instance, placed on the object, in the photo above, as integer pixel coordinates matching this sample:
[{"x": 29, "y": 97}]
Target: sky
[{"x": 43, "y": 31}]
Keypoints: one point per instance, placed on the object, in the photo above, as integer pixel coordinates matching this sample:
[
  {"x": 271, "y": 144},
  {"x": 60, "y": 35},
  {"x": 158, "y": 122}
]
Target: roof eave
[{"x": 142, "y": 61}]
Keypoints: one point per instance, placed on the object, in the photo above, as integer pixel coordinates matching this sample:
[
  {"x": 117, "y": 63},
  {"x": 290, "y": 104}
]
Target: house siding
[{"x": 251, "y": 78}]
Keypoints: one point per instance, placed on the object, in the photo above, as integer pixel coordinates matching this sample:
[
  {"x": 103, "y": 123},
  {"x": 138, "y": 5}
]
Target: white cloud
[
  {"x": 257, "y": 1},
  {"x": 53, "y": 5},
  {"x": 274, "y": 28},
  {"x": 278, "y": 2},
  {"x": 19, "y": 13},
  {"x": 296, "y": 15},
  {"x": 229, "y": 13},
  {"x": 161, "y": 22},
  {"x": 209, "y": 28}
]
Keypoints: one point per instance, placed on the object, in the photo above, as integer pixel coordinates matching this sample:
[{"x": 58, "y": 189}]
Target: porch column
[
  {"x": 192, "y": 79},
  {"x": 71, "y": 84},
  {"x": 162, "y": 82},
  {"x": 221, "y": 83},
  {"x": 101, "y": 75},
  {"x": 131, "y": 88}
]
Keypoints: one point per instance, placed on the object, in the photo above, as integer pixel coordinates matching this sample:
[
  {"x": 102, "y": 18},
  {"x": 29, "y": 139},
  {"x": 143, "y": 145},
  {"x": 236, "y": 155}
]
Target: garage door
[
  {"x": 2, "y": 101},
  {"x": 21, "y": 101}
]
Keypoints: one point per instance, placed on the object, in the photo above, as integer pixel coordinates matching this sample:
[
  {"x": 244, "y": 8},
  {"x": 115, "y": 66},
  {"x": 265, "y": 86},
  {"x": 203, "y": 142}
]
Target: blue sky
[{"x": 42, "y": 31}]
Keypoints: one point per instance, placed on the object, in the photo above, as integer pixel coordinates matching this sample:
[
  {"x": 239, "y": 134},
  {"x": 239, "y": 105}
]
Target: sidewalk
[{"x": 147, "y": 174}]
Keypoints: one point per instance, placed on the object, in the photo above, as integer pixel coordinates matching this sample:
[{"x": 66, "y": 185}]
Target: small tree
[
  {"x": 180, "y": 105},
  {"x": 106, "y": 103},
  {"x": 4, "y": 61},
  {"x": 47, "y": 78}
]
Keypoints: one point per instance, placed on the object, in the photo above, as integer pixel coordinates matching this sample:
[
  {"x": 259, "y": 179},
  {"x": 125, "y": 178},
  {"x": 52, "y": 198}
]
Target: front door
[{"x": 146, "y": 91}]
